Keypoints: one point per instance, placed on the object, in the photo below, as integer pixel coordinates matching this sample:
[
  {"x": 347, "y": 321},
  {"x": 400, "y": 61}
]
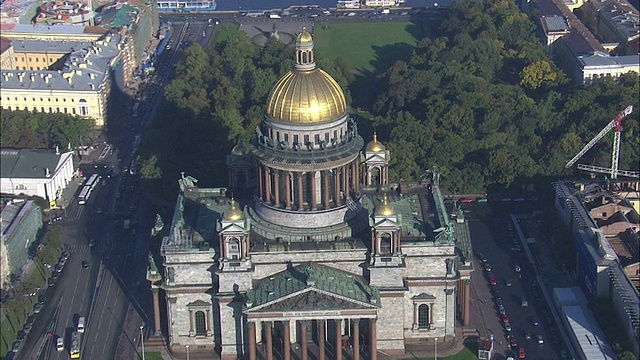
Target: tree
[{"x": 537, "y": 73}]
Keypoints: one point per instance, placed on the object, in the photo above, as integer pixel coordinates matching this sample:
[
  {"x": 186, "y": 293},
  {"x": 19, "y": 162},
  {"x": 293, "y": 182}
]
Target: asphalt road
[{"x": 495, "y": 237}]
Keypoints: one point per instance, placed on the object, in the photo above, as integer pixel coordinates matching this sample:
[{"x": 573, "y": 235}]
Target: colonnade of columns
[
  {"x": 310, "y": 190},
  {"x": 339, "y": 341}
]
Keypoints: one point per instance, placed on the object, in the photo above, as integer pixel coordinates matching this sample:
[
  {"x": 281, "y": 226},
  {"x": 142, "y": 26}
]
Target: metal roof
[
  {"x": 554, "y": 23},
  {"x": 589, "y": 337},
  {"x": 28, "y": 163}
]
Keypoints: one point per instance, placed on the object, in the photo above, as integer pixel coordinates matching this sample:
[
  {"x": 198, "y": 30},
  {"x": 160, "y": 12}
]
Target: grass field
[{"x": 366, "y": 46}]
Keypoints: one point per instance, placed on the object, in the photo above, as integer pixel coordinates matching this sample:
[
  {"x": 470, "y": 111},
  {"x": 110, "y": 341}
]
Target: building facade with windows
[
  {"x": 32, "y": 172},
  {"x": 327, "y": 255},
  {"x": 79, "y": 86}
]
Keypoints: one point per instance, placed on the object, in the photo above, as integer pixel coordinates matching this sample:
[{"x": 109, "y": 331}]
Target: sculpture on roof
[{"x": 186, "y": 182}]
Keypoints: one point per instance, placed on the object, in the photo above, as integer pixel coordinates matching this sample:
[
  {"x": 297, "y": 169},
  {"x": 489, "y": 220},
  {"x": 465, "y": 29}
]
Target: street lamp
[
  {"x": 187, "y": 352},
  {"x": 142, "y": 338},
  {"x": 436, "y": 345}
]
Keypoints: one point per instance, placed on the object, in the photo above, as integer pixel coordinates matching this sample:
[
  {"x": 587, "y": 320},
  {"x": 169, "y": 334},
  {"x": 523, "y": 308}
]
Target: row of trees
[
  {"x": 26, "y": 129},
  {"x": 482, "y": 102}
]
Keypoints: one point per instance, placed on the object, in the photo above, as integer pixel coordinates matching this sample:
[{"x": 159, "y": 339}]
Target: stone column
[
  {"x": 267, "y": 186},
  {"x": 321, "y": 339},
  {"x": 373, "y": 339},
  {"x": 465, "y": 315},
  {"x": 300, "y": 198},
  {"x": 276, "y": 187},
  {"x": 314, "y": 200},
  {"x": 252, "y": 341},
  {"x": 303, "y": 339},
  {"x": 286, "y": 348},
  {"x": 287, "y": 189},
  {"x": 156, "y": 310},
  {"x": 269, "y": 339},
  {"x": 356, "y": 339},
  {"x": 260, "y": 185},
  {"x": 357, "y": 166},
  {"x": 336, "y": 186},
  {"x": 345, "y": 182},
  {"x": 338, "y": 339},
  {"x": 354, "y": 176},
  {"x": 325, "y": 190},
  {"x": 191, "y": 321}
]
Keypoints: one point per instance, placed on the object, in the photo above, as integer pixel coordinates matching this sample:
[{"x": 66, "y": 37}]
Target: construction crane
[{"x": 615, "y": 155}]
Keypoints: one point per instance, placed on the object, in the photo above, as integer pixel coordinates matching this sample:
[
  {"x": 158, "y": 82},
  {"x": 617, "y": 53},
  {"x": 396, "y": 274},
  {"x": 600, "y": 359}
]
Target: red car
[
  {"x": 465, "y": 200},
  {"x": 522, "y": 354},
  {"x": 493, "y": 281},
  {"x": 505, "y": 318}
]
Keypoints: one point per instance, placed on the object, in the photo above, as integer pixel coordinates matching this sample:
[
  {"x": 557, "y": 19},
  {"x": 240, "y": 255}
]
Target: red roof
[{"x": 5, "y": 44}]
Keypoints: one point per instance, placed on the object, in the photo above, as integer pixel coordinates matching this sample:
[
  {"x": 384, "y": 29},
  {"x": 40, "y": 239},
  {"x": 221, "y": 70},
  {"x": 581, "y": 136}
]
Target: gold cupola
[
  {"x": 234, "y": 213},
  {"x": 375, "y": 145},
  {"x": 306, "y": 94},
  {"x": 385, "y": 209}
]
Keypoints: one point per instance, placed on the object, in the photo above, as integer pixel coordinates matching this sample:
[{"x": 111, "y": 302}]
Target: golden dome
[
  {"x": 234, "y": 213},
  {"x": 240, "y": 149},
  {"x": 374, "y": 145},
  {"x": 385, "y": 209},
  {"x": 304, "y": 37},
  {"x": 306, "y": 96}
]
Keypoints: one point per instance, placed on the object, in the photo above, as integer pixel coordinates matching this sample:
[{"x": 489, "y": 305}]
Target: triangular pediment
[
  {"x": 231, "y": 227},
  {"x": 385, "y": 223},
  {"x": 375, "y": 158},
  {"x": 312, "y": 300},
  {"x": 198, "y": 303}
]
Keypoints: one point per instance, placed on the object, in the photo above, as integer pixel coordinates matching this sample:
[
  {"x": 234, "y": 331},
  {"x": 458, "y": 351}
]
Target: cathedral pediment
[
  {"x": 312, "y": 300},
  {"x": 385, "y": 223},
  {"x": 312, "y": 285},
  {"x": 231, "y": 227},
  {"x": 375, "y": 159}
]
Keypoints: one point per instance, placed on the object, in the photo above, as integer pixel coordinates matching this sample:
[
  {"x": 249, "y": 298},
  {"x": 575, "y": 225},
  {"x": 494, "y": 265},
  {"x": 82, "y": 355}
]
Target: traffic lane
[{"x": 103, "y": 332}]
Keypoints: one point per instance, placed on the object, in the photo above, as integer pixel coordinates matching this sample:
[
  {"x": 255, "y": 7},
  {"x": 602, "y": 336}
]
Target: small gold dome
[
  {"x": 304, "y": 37},
  {"x": 306, "y": 96},
  {"x": 234, "y": 213},
  {"x": 240, "y": 149},
  {"x": 374, "y": 145},
  {"x": 385, "y": 209}
]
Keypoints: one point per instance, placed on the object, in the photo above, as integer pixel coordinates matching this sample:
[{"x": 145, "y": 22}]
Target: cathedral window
[
  {"x": 201, "y": 325},
  {"x": 423, "y": 316},
  {"x": 385, "y": 244},
  {"x": 233, "y": 249}
]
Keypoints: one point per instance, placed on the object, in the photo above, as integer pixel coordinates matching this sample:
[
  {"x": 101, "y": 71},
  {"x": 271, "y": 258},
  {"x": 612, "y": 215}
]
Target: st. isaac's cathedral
[{"x": 327, "y": 259}]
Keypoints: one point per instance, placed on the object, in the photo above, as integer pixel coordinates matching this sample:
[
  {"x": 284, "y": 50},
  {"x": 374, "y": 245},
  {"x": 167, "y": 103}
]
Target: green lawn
[
  {"x": 366, "y": 46},
  {"x": 151, "y": 356},
  {"x": 468, "y": 353}
]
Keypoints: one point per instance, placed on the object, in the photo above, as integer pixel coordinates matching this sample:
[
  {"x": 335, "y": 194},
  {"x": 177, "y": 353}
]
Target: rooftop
[
  {"x": 29, "y": 163},
  {"x": 84, "y": 70},
  {"x": 554, "y": 23},
  {"x": 604, "y": 60}
]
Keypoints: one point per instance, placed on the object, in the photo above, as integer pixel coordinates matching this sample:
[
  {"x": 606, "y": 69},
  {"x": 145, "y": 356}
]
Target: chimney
[
  {"x": 32, "y": 77},
  {"x": 47, "y": 173},
  {"x": 20, "y": 76},
  {"x": 57, "y": 150}
]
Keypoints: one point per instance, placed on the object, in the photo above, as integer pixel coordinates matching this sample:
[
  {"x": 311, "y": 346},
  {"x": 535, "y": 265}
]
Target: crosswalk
[{"x": 77, "y": 248}]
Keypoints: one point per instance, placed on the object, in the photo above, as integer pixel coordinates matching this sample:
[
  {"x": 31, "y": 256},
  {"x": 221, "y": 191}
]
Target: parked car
[
  {"x": 501, "y": 309},
  {"x": 487, "y": 267},
  {"x": 507, "y": 326},
  {"x": 492, "y": 281},
  {"x": 505, "y": 318},
  {"x": 16, "y": 346},
  {"x": 513, "y": 342},
  {"x": 37, "y": 308},
  {"x": 465, "y": 200}
]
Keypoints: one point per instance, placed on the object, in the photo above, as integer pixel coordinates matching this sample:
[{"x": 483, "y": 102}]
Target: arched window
[
  {"x": 423, "y": 316},
  {"x": 233, "y": 248},
  {"x": 83, "y": 107},
  {"x": 385, "y": 244},
  {"x": 201, "y": 326}
]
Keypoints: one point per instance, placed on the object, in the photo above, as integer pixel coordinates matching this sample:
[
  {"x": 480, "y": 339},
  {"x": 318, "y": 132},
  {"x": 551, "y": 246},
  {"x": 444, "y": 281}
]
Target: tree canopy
[{"x": 38, "y": 130}]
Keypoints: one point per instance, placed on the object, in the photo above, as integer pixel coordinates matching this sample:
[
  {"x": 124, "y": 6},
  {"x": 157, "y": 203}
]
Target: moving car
[
  {"x": 85, "y": 264},
  {"x": 522, "y": 354},
  {"x": 59, "y": 343},
  {"x": 508, "y": 282},
  {"x": 539, "y": 339}
]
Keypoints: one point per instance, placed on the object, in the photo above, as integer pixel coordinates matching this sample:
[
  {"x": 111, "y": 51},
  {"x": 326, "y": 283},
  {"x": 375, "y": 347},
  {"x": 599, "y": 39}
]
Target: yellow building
[{"x": 80, "y": 87}]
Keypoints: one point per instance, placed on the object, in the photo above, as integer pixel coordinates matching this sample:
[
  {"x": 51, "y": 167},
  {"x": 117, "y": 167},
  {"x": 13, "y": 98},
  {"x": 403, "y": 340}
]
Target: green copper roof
[{"x": 326, "y": 282}]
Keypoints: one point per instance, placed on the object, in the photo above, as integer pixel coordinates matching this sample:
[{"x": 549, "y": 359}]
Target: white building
[{"x": 40, "y": 173}]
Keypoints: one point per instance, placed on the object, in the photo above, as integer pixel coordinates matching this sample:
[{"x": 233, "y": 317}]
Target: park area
[{"x": 364, "y": 46}]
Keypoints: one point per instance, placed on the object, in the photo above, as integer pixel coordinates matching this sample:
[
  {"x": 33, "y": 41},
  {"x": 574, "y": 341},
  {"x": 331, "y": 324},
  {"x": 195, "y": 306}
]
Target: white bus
[{"x": 87, "y": 189}]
